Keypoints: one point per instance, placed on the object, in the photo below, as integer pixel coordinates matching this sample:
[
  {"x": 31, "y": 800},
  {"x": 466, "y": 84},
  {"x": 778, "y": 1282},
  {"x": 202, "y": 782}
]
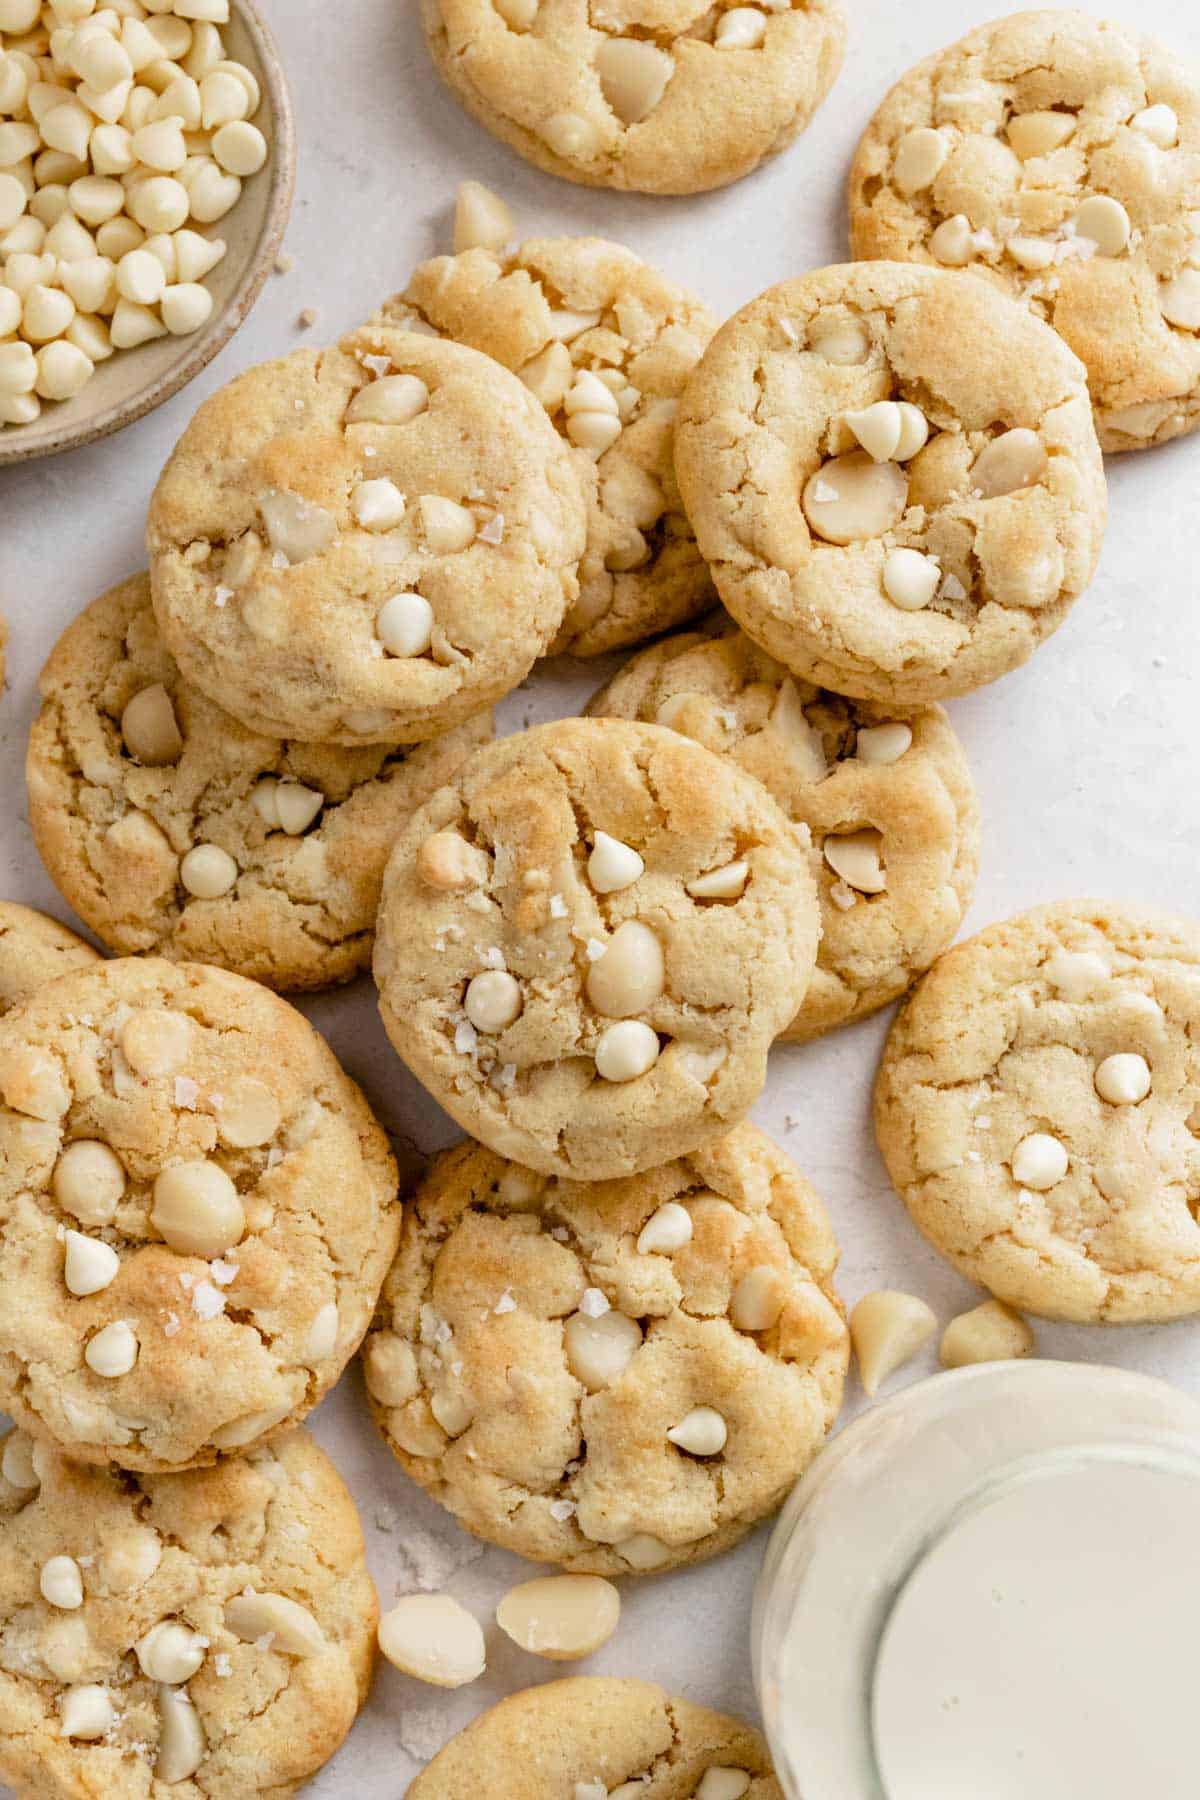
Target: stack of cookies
[{"x": 604, "y": 1334}]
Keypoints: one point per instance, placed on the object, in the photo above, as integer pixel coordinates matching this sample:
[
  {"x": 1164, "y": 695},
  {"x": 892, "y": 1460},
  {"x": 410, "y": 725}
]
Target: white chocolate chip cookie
[
  {"x": 197, "y": 1210},
  {"x": 1038, "y": 1109},
  {"x": 365, "y": 545},
  {"x": 661, "y": 96},
  {"x": 884, "y": 794},
  {"x": 137, "y": 783},
  {"x": 1059, "y": 157},
  {"x": 34, "y": 951},
  {"x": 207, "y": 1633},
  {"x": 606, "y": 343},
  {"x": 894, "y": 475},
  {"x": 588, "y": 942},
  {"x": 614, "y": 1376},
  {"x": 596, "y": 1736}
]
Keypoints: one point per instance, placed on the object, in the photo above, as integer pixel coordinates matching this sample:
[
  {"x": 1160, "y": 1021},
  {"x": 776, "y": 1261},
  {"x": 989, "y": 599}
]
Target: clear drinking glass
[{"x": 890, "y": 1490}]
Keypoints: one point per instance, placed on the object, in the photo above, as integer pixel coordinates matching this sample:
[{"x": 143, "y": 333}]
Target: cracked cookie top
[
  {"x": 661, "y": 96},
  {"x": 883, "y": 792},
  {"x": 588, "y": 942},
  {"x": 365, "y": 545},
  {"x": 209, "y": 1633},
  {"x": 35, "y": 950},
  {"x": 606, "y": 344},
  {"x": 1038, "y": 1108},
  {"x": 894, "y": 475},
  {"x": 614, "y": 1376},
  {"x": 171, "y": 828},
  {"x": 1059, "y": 157},
  {"x": 197, "y": 1210},
  {"x": 598, "y": 1735}
]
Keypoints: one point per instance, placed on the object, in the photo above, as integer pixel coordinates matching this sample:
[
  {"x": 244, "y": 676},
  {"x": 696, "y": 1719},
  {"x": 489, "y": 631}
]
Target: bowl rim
[{"x": 16, "y": 447}]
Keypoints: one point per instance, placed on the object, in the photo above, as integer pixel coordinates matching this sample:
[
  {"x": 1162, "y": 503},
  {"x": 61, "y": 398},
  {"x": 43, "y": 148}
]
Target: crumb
[
  {"x": 284, "y": 263},
  {"x": 308, "y": 318}
]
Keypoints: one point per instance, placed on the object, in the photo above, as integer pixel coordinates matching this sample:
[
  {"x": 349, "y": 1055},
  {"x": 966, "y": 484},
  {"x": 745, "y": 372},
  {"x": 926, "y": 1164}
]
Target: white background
[{"x": 1086, "y": 760}]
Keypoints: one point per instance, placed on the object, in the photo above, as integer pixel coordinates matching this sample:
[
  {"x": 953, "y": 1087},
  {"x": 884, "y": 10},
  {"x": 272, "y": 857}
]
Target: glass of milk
[{"x": 986, "y": 1589}]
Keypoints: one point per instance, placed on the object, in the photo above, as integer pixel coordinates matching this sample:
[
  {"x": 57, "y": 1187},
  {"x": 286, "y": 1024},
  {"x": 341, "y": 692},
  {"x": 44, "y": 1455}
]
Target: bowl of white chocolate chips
[{"x": 147, "y": 160}]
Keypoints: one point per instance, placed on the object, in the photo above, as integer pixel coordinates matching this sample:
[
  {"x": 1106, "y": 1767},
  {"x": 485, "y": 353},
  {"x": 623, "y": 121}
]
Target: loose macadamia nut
[
  {"x": 992, "y": 1332},
  {"x": 435, "y": 1639},
  {"x": 887, "y": 1329},
  {"x": 560, "y": 1617},
  {"x": 104, "y": 129}
]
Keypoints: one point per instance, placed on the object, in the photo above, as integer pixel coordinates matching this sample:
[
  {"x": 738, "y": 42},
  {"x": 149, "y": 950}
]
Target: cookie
[
  {"x": 1037, "y": 1108},
  {"x": 588, "y": 942},
  {"x": 171, "y": 828},
  {"x": 365, "y": 545},
  {"x": 1059, "y": 157},
  {"x": 208, "y": 1633},
  {"x": 894, "y": 475},
  {"x": 197, "y": 1211},
  {"x": 35, "y": 951},
  {"x": 538, "y": 1342},
  {"x": 597, "y": 1735},
  {"x": 606, "y": 343},
  {"x": 661, "y": 96},
  {"x": 884, "y": 795}
]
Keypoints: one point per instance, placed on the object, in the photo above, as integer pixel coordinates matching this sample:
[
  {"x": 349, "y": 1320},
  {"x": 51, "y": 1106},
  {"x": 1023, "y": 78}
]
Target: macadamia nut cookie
[
  {"x": 197, "y": 1210},
  {"x": 172, "y": 828},
  {"x": 595, "y": 1736},
  {"x": 1038, "y": 1106},
  {"x": 34, "y": 951},
  {"x": 606, "y": 344},
  {"x": 1059, "y": 157},
  {"x": 662, "y": 96},
  {"x": 588, "y": 942},
  {"x": 365, "y": 545},
  {"x": 203, "y": 1634},
  {"x": 614, "y": 1376},
  {"x": 894, "y": 476},
  {"x": 883, "y": 793}
]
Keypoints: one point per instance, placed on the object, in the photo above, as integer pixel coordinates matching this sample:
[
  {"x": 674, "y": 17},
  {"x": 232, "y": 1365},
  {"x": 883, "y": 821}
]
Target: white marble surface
[{"x": 1086, "y": 760}]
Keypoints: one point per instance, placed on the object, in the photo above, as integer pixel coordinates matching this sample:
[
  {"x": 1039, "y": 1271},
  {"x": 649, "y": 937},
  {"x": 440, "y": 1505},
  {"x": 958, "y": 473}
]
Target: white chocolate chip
[
  {"x": 1104, "y": 222},
  {"x": 727, "y": 883},
  {"x": 113, "y": 1351},
  {"x": 1039, "y": 1161},
  {"x": 453, "y": 1412},
  {"x": 197, "y": 1209},
  {"x": 702, "y": 1432},
  {"x": 170, "y": 1652},
  {"x": 448, "y": 862},
  {"x": 297, "y": 806},
  {"x": 741, "y": 28},
  {"x": 626, "y": 1051},
  {"x": 86, "y": 1713},
  {"x": 434, "y": 1639},
  {"x": 633, "y": 76},
  {"x": 156, "y": 1041},
  {"x": 877, "y": 429},
  {"x": 1039, "y": 133},
  {"x": 857, "y": 858},
  {"x": 666, "y": 1230},
  {"x": 612, "y": 865},
  {"x": 150, "y": 729},
  {"x": 32, "y": 1083},
  {"x": 595, "y": 431},
  {"x": 291, "y": 1627},
  {"x": 992, "y": 1332},
  {"x": 852, "y": 497},
  {"x": 723, "y": 1784},
  {"x": 549, "y": 375},
  {"x": 918, "y": 160},
  {"x": 1030, "y": 252},
  {"x": 630, "y": 975},
  {"x": 910, "y": 579},
  {"x": 129, "y": 1558},
  {"x": 249, "y": 1114},
  {"x": 887, "y": 1329},
  {"x": 481, "y": 219},
  {"x": 641, "y": 1551},
  {"x": 842, "y": 341},
  {"x": 447, "y": 526},
  {"x": 571, "y": 137},
  {"x": 208, "y": 872},
  {"x": 757, "y": 1300},
  {"x": 61, "y": 1583},
  {"x": 1076, "y": 974},
  {"x": 560, "y": 1617},
  {"x": 1016, "y": 459},
  {"x": 588, "y": 394},
  {"x": 296, "y": 528},
  {"x": 89, "y": 1181},
  {"x": 404, "y": 625},
  {"x": 520, "y": 14},
  {"x": 493, "y": 1000},
  {"x": 16, "y": 1462},
  {"x": 392, "y": 400},
  {"x": 89, "y": 1265},
  {"x": 598, "y": 1350},
  {"x": 378, "y": 505},
  {"x": 1160, "y": 123},
  {"x": 181, "y": 1743},
  {"x": 883, "y": 744},
  {"x": 1123, "y": 1079},
  {"x": 914, "y": 431},
  {"x": 1179, "y": 300},
  {"x": 951, "y": 243},
  {"x": 240, "y": 1432}
]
